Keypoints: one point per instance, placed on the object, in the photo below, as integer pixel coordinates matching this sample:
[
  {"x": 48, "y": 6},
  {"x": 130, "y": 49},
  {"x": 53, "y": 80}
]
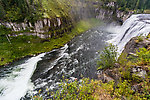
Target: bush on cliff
[{"x": 108, "y": 57}]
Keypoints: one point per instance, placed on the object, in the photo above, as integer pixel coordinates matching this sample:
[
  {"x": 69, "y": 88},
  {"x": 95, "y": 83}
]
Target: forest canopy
[
  {"x": 134, "y": 4},
  {"x": 32, "y": 10}
]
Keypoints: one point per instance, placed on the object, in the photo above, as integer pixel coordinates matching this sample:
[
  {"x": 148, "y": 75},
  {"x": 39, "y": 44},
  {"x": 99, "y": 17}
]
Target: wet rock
[
  {"x": 134, "y": 44},
  {"x": 109, "y": 74},
  {"x": 105, "y": 78},
  {"x": 138, "y": 71},
  {"x": 113, "y": 73},
  {"x": 117, "y": 65}
]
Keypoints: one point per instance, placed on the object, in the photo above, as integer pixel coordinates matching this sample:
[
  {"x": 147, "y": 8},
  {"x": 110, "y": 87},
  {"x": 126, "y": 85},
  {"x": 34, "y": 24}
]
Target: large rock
[
  {"x": 139, "y": 71},
  {"x": 134, "y": 44},
  {"x": 109, "y": 74}
]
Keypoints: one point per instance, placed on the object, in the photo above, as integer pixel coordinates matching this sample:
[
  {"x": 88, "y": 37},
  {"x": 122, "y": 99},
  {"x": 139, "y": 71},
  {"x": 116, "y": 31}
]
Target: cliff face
[
  {"x": 50, "y": 27},
  {"x": 38, "y": 26},
  {"x": 135, "y": 43},
  {"x": 110, "y": 11}
]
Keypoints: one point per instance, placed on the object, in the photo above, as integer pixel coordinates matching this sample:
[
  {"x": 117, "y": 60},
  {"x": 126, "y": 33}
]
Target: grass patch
[{"x": 22, "y": 46}]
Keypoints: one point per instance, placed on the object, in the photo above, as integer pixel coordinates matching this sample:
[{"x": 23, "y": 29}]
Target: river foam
[{"x": 18, "y": 82}]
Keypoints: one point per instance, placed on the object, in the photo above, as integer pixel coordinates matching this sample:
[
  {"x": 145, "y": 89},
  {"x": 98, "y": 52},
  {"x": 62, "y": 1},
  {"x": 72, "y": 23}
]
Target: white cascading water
[
  {"x": 136, "y": 25},
  {"x": 18, "y": 82}
]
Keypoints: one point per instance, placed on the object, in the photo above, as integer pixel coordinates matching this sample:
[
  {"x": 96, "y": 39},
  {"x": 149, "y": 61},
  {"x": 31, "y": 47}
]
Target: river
[{"x": 75, "y": 60}]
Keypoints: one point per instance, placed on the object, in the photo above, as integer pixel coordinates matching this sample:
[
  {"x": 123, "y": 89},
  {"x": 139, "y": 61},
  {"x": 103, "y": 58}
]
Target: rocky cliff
[
  {"x": 110, "y": 11},
  {"x": 50, "y": 27},
  {"x": 135, "y": 43}
]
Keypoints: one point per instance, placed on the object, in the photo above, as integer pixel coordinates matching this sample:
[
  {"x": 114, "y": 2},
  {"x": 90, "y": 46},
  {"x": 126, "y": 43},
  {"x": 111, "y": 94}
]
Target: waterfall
[
  {"x": 16, "y": 84},
  {"x": 73, "y": 60},
  {"x": 136, "y": 25}
]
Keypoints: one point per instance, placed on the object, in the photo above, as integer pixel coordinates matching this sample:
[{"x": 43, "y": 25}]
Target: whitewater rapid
[{"x": 16, "y": 84}]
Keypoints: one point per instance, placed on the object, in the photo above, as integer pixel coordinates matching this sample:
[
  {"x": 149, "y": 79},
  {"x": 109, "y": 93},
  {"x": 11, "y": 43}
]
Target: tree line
[
  {"x": 130, "y": 4},
  {"x": 134, "y": 4},
  {"x": 18, "y": 10},
  {"x": 31, "y": 10}
]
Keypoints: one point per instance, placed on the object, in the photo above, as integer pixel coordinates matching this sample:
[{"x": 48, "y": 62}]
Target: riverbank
[{"x": 22, "y": 46}]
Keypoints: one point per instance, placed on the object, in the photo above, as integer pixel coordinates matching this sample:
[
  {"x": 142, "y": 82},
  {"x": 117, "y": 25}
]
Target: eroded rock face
[
  {"x": 40, "y": 26},
  {"x": 134, "y": 44},
  {"x": 139, "y": 71},
  {"x": 111, "y": 12},
  {"x": 109, "y": 74},
  {"x": 44, "y": 28},
  {"x": 103, "y": 14}
]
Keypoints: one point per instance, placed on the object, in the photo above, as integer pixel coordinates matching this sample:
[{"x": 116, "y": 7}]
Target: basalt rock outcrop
[
  {"x": 110, "y": 11},
  {"x": 135, "y": 43},
  {"x": 50, "y": 27}
]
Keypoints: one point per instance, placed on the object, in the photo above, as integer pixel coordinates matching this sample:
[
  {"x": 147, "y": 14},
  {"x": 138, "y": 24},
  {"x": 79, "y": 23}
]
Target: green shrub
[
  {"x": 81, "y": 90},
  {"x": 122, "y": 60},
  {"x": 123, "y": 89},
  {"x": 108, "y": 57},
  {"x": 76, "y": 90},
  {"x": 143, "y": 56},
  {"x": 4, "y": 30},
  {"x": 140, "y": 38}
]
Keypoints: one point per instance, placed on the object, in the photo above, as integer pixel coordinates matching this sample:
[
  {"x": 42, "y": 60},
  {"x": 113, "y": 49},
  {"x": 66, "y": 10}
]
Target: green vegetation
[
  {"x": 143, "y": 57},
  {"x": 32, "y": 10},
  {"x": 76, "y": 90},
  {"x": 108, "y": 57},
  {"x": 84, "y": 90},
  {"x": 138, "y": 6},
  {"x": 55, "y": 8},
  {"x": 133, "y": 79},
  {"x": 28, "y": 45},
  {"x": 134, "y": 4},
  {"x": 140, "y": 38},
  {"x": 13, "y": 48},
  {"x": 18, "y": 10}
]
